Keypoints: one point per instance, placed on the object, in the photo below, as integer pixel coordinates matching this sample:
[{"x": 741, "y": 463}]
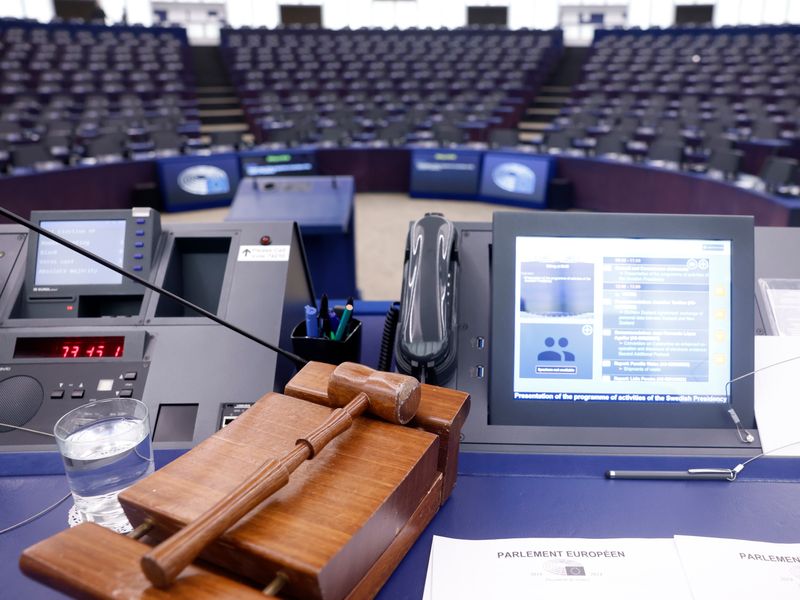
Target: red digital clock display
[{"x": 70, "y": 347}]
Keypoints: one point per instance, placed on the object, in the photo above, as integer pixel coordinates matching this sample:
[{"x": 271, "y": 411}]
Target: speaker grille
[{"x": 20, "y": 399}]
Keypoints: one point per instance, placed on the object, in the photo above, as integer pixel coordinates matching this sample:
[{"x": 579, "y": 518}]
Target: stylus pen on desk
[{"x": 689, "y": 474}]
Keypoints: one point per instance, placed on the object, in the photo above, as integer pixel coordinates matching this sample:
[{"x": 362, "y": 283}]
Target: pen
[
  {"x": 325, "y": 320},
  {"x": 689, "y": 474},
  {"x": 312, "y": 322},
  {"x": 334, "y": 320},
  {"x": 348, "y": 310}
]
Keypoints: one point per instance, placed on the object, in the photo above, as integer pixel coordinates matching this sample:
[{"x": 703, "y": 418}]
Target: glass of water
[{"x": 106, "y": 448}]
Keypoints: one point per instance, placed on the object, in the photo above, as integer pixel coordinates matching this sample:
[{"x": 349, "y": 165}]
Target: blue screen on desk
[
  {"x": 622, "y": 319},
  {"x": 445, "y": 173},
  {"x": 516, "y": 176},
  {"x": 278, "y": 162},
  {"x": 192, "y": 182}
]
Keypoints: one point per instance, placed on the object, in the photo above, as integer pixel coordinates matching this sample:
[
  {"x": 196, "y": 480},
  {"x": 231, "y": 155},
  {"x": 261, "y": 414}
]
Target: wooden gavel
[{"x": 354, "y": 388}]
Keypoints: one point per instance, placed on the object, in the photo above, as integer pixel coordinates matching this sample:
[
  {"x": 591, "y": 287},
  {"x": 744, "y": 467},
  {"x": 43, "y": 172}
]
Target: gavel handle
[{"x": 164, "y": 562}]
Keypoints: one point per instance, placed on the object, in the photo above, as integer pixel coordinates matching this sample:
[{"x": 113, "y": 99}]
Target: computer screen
[
  {"x": 603, "y": 319},
  {"x": 63, "y": 283},
  {"x": 194, "y": 182},
  {"x": 445, "y": 173},
  {"x": 514, "y": 176},
  {"x": 57, "y": 265},
  {"x": 278, "y": 162}
]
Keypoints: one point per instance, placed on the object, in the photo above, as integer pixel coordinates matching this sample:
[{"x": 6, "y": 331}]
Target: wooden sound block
[
  {"x": 337, "y": 522},
  {"x": 89, "y": 561},
  {"x": 441, "y": 411}
]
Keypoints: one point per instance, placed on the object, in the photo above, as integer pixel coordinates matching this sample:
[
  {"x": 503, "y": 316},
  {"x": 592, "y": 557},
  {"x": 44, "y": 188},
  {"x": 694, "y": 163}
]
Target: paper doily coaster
[{"x": 74, "y": 518}]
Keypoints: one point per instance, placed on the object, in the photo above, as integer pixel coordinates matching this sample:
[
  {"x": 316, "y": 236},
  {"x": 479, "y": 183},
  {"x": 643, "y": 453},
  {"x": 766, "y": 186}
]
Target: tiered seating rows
[
  {"x": 386, "y": 87},
  {"x": 71, "y": 92},
  {"x": 684, "y": 95}
]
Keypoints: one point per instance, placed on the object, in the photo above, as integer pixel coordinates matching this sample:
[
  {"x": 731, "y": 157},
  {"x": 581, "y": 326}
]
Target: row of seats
[
  {"x": 52, "y": 152},
  {"x": 373, "y": 87},
  {"x": 72, "y": 93},
  {"x": 690, "y": 99},
  {"x": 68, "y": 59}
]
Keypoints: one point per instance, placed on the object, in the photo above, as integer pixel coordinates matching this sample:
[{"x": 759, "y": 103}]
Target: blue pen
[
  {"x": 312, "y": 325},
  {"x": 334, "y": 320},
  {"x": 348, "y": 310}
]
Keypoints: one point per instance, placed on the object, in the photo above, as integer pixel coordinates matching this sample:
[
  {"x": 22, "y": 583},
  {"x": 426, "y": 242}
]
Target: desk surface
[{"x": 503, "y": 496}]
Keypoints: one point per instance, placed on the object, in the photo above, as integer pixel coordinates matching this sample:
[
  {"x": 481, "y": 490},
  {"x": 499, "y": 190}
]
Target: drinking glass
[{"x": 106, "y": 447}]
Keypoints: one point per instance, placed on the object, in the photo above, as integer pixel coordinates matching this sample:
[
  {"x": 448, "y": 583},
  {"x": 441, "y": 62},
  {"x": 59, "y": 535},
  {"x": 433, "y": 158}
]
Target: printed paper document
[
  {"x": 719, "y": 568},
  {"x": 556, "y": 569}
]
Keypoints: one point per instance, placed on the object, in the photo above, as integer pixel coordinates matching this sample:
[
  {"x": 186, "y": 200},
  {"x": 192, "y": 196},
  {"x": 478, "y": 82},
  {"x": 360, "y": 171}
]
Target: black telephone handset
[{"x": 426, "y": 339}]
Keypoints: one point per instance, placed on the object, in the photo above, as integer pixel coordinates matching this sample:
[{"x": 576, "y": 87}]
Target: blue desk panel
[
  {"x": 598, "y": 184},
  {"x": 503, "y": 496},
  {"x": 512, "y": 496}
]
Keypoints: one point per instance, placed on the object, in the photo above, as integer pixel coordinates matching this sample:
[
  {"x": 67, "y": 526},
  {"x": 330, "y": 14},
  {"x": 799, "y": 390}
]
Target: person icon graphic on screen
[
  {"x": 549, "y": 354},
  {"x": 568, "y": 356}
]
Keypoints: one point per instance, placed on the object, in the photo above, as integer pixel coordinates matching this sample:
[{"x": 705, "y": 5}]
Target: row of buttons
[
  {"x": 139, "y": 244},
  {"x": 80, "y": 392},
  {"x": 479, "y": 370}
]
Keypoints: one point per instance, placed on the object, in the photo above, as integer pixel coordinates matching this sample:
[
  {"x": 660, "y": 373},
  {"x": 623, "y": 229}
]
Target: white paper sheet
[
  {"x": 556, "y": 569},
  {"x": 777, "y": 393},
  {"x": 719, "y": 568}
]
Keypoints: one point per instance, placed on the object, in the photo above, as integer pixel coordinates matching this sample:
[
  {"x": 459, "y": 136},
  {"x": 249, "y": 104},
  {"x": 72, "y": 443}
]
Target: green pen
[{"x": 348, "y": 310}]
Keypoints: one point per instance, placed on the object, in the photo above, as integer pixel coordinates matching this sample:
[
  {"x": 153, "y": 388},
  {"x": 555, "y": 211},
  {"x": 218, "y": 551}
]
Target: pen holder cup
[{"x": 327, "y": 350}]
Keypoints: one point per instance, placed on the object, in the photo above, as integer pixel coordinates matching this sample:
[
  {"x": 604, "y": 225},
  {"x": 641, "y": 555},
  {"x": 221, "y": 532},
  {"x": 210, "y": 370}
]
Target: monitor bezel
[
  {"x": 310, "y": 154},
  {"x": 418, "y": 189},
  {"x": 175, "y": 199},
  {"x": 72, "y": 291},
  {"x": 507, "y": 226},
  {"x": 536, "y": 200}
]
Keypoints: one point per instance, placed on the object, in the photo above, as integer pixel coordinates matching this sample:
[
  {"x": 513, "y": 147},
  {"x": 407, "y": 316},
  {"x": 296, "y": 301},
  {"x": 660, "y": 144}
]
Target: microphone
[
  {"x": 744, "y": 435},
  {"x": 298, "y": 361},
  {"x": 725, "y": 474}
]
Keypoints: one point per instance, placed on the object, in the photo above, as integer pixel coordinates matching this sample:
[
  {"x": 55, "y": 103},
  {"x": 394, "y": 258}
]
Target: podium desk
[
  {"x": 501, "y": 496},
  {"x": 323, "y": 209},
  {"x": 512, "y": 495}
]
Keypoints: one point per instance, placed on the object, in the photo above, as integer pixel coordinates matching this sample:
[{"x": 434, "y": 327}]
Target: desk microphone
[
  {"x": 297, "y": 360},
  {"x": 722, "y": 474},
  {"x": 744, "y": 435}
]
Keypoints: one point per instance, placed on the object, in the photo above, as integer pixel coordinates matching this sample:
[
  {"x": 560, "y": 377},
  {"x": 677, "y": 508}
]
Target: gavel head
[{"x": 392, "y": 397}]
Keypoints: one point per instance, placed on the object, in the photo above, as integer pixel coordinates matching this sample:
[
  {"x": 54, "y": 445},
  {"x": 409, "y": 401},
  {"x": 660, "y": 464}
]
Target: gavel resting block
[{"x": 338, "y": 528}]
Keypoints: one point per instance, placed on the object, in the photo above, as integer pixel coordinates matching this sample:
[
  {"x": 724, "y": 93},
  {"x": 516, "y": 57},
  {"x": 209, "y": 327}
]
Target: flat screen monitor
[
  {"x": 125, "y": 238},
  {"x": 58, "y": 265},
  {"x": 611, "y": 320},
  {"x": 278, "y": 162},
  {"x": 516, "y": 178},
  {"x": 445, "y": 173},
  {"x": 195, "y": 182}
]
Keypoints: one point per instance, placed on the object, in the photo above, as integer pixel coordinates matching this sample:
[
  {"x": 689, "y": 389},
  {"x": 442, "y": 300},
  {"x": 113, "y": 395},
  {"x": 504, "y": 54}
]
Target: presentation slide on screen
[
  {"x": 279, "y": 163},
  {"x": 450, "y": 172},
  {"x": 622, "y": 320},
  {"x": 58, "y": 265}
]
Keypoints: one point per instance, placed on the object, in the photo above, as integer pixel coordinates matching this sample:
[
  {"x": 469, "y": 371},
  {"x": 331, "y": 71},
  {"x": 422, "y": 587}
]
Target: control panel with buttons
[
  {"x": 54, "y": 293},
  {"x": 70, "y": 343}
]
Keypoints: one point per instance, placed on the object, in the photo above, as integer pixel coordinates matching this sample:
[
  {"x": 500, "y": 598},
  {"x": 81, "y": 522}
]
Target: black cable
[
  {"x": 297, "y": 360},
  {"x": 422, "y": 374},
  {"x": 388, "y": 337}
]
